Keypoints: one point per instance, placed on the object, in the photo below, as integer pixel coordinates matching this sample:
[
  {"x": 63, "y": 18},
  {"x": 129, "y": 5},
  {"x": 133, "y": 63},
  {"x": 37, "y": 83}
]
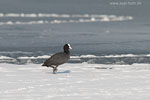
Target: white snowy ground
[{"x": 75, "y": 82}]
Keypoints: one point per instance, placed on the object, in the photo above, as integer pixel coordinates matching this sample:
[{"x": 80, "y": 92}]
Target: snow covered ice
[
  {"x": 110, "y": 59},
  {"x": 80, "y": 81}
]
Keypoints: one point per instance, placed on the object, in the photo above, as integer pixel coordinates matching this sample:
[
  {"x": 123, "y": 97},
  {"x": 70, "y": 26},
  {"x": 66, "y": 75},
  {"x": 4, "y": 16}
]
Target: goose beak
[{"x": 69, "y": 46}]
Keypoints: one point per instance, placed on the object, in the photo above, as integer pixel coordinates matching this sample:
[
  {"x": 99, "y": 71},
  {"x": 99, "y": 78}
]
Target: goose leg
[{"x": 54, "y": 69}]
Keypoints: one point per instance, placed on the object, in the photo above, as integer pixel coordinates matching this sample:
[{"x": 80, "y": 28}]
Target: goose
[{"x": 58, "y": 58}]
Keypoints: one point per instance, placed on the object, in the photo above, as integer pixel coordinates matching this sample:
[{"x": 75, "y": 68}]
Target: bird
[{"x": 58, "y": 58}]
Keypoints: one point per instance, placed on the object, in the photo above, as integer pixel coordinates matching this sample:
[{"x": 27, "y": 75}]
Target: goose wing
[{"x": 57, "y": 59}]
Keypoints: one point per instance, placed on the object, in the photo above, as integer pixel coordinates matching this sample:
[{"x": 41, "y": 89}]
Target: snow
[
  {"x": 80, "y": 81},
  {"x": 33, "y": 57},
  {"x": 5, "y": 57},
  {"x": 80, "y": 18}
]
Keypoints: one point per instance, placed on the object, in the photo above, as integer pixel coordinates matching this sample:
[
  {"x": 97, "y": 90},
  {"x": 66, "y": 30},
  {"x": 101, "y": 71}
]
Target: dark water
[{"x": 97, "y": 27}]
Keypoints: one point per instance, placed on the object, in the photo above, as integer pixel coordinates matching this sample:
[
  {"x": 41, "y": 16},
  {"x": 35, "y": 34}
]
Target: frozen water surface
[{"x": 75, "y": 82}]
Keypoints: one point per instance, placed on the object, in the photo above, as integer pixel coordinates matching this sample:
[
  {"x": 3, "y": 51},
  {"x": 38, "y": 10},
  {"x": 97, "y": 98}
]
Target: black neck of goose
[{"x": 66, "y": 51}]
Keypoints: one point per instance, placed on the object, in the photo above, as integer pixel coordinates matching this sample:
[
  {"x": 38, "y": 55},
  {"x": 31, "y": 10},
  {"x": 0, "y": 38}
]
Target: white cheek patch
[{"x": 69, "y": 46}]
